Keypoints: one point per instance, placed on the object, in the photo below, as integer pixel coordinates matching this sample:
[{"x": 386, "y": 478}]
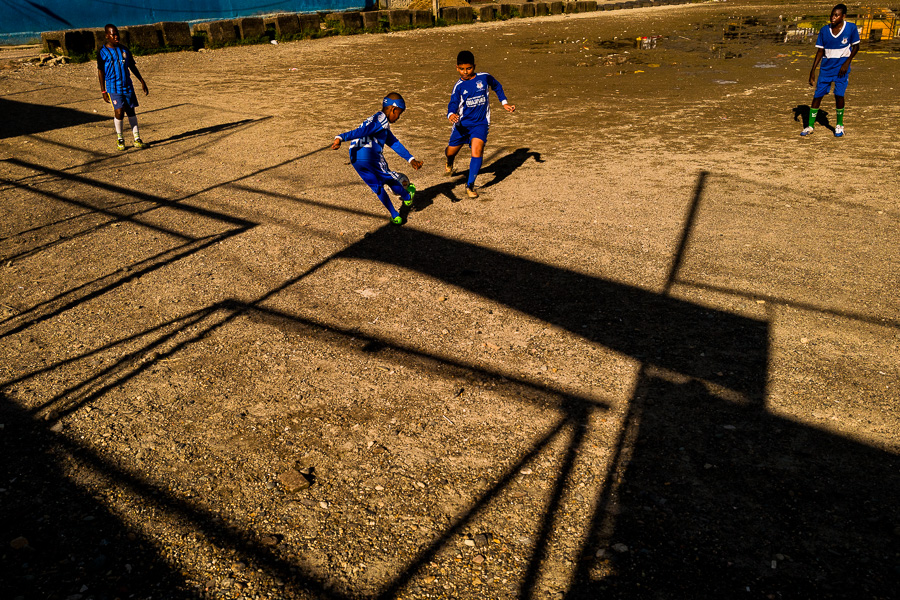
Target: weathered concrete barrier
[
  {"x": 422, "y": 18},
  {"x": 465, "y": 14},
  {"x": 348, "y": 22},
  {"x": 557, "y": 8},
  {"x": 249, "y": 28},
  {"x": 542, "y": 9},
  {"x": 217, "y": 32},
  {"x": 586, "y": 5},
  {"x": 450, "y": 14},
  {"x": 174, "y": 34},
  {"x": 399, "y": 19},
  {"x": 487, "y": 13},
  {"x": 68, "y": 41},
  {"x": 309, "y": 23},
  {"x": 284, "y": 25},
  {"x": 527, "y": 10},
  {"x": 143, "y": 36},
  {"x": 371, "y": 20}
]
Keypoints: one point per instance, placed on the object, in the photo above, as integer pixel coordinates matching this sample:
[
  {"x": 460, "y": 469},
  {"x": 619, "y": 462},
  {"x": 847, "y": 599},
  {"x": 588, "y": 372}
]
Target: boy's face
[
  {"x": 393, "y": 113},
  {"x": 466, "y": 72},
  {"x": 112, "y": 35},
  {"x": 837, "y": 16}
]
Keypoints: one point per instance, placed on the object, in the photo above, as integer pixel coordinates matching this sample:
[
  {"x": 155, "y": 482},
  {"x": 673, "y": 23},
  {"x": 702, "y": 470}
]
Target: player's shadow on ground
[
  {"x": 504, "y": 166},
  {"x": 208, "y": 130},
  {"x": 801, "y": 115},
  {"x": 23, "y": 118}
]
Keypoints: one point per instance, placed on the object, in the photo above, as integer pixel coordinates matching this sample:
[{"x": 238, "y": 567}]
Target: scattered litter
[
  {"x": 723, "y": 81},
  {"x": 274, "y": 42},
  {"x": 764, "y": 66}
]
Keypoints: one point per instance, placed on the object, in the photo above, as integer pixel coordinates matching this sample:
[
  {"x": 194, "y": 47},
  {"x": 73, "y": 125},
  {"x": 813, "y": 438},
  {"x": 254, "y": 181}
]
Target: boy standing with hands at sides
[
  {"x": 113, "y": 63},
  {"x": 470, "y": 112},
  {"x": 838, "y": 42},
  {"x": 367, "y": 154}
]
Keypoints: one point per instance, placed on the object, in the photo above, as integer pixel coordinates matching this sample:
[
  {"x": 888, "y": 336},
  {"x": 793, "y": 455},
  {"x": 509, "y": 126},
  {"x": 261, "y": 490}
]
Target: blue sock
[
  {"x": 474, "y": 167},
  {"x": 382, "y": 195}
]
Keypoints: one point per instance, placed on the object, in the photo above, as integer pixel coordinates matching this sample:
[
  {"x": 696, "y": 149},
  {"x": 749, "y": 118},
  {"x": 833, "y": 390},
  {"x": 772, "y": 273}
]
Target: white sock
[
  {"x": 118, "y": 123},
  {"x": 132, "y": 120}
]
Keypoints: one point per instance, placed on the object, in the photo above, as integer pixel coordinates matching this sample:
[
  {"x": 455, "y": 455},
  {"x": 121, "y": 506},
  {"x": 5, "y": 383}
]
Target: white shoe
[
  {"x": 807, "y": 131},
  {"x": 839, "y": 131}
]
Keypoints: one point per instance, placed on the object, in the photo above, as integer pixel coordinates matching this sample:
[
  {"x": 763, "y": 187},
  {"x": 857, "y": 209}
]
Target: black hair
[
  {"x": 109, "y": 26},
  {"x": 842, "y": 8},
  {"x": 396, "y": 96},
  {"x": 465, "y": 58}
]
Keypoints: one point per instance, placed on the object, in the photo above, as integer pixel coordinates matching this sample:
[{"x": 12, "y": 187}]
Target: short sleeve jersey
[
  {"x": 470, "y": 99},
  {"x": 837, "y": 47},
  {"x": 115, "y": 62}
]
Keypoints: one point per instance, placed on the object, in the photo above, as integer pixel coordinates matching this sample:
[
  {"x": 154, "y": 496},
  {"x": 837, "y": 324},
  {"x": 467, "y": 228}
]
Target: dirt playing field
[{"x": 657, "y": 358}]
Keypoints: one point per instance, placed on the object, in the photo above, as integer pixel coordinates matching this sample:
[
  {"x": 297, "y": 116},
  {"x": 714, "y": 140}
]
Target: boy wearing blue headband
[
  {"x": 367, "y": 154},
  {"x": 470, "y": 112}
]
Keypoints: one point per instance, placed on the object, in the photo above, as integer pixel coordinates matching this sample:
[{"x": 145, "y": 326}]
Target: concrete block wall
[{"x": 172, "y": 34}]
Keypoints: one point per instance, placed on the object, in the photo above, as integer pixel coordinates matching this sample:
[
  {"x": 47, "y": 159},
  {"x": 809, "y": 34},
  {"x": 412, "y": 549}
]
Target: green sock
[
  {"x": 840, "y": 115},
  {"x": 812, "y": 116}
]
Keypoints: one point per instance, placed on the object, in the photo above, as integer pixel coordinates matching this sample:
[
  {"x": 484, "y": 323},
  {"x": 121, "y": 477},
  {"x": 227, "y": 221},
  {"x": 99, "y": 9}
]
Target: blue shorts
[
  {"x": 464, "y": 135},
  {"x": 128, "y": 100},
  {"x": 823, "y": 85},
  {"x": 376, "y": 174}
]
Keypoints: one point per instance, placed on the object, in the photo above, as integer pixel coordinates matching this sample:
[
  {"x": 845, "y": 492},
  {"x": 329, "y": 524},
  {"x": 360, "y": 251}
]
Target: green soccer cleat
[
  {"x": 412, "y": 194},
  {"x": 398, "y": 220},
  {"x": 120, "y": 144},
  {"x": 138, "y": 143}
]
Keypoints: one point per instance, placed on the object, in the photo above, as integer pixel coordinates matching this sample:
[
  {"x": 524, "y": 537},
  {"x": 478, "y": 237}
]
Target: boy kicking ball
[
  {"x": 367, "y": 154},
  {"x": 838, "y": 42},
  {"x": 114, "y": 61},
  {"x": 470, "y": 112}
]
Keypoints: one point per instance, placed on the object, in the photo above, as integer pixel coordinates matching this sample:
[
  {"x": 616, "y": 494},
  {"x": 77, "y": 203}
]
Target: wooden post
[{"x": 436, "y": 7}]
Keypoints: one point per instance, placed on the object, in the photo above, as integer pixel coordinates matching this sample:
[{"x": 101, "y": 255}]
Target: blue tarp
[{"x": 24, "y": 20}]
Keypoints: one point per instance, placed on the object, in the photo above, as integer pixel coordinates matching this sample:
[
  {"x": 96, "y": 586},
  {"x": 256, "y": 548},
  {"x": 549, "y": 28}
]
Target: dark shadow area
[
  {"x": 201, "y": 131},
  {"x": 506, "y": 165},
  {"x": 719, "y": 499},
  {"x": 70, "y": 538},
  {"x": 802, "y": 112},
  {"x": 720, "y": 347},
  {"x": 23, "y": 118}
]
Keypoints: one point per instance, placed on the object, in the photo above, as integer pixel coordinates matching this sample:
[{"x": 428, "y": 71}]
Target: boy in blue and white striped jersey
[
  {"x": 470, "y": 112},
  {"x": 837, "y": 44},
  {"x": 114, "y": 61},
  {"x": 367, "y": 154}
]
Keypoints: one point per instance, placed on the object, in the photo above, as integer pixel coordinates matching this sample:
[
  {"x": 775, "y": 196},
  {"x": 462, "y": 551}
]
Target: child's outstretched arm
[
  {"x": 364, "y": 130},
  {"x": 498, "y": 89},
  {"x": 401, "y": 150}
]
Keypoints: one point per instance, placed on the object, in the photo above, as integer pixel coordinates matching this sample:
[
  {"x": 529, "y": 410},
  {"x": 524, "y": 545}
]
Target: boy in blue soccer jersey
[
  {"x": 114, "y": 61},
  {"x": 470, "y": 112},
  {"x": 367, "y": 154},
  {"x": 838, "y": 43}
]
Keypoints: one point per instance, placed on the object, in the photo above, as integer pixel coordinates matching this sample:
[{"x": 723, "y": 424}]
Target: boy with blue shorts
[
  {"x": 838, "y": 43},
  {"x": 114, "y": 61},
  {"x": 367, "y": 154},
  {"x": 470, "y": 112}
]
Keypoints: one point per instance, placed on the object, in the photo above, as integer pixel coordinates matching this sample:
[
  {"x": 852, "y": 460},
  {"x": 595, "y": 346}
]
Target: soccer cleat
[
  {"x": 398, "y": 220},
  {"x": 120, "y": 144},
  {"x": 807, "y": 131},
  {"x": 412, "y": 194},
  {"x": 138, "y": 143},
  {"x": 470, "y": 191},
  {"x": 839, "y": 131},
  {"x": 448, "y": 170}
]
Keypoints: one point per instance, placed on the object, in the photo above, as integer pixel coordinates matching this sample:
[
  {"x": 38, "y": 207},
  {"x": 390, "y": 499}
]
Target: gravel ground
[{"x": 657, "y": 358}]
